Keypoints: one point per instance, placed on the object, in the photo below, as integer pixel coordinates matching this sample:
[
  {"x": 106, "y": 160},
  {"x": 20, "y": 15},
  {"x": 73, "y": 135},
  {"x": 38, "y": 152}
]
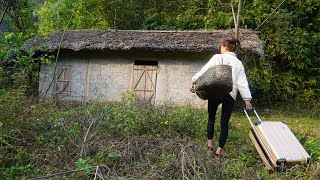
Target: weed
[
  {"x": 313, "y": 146},
  {"x": 83, "y": 164},
  {"x": 134, "y": 142},
  {"x": 19, "y": 171}
]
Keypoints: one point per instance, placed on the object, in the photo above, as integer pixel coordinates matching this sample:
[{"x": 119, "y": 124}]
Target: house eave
[{"x": 128, "y": 40}]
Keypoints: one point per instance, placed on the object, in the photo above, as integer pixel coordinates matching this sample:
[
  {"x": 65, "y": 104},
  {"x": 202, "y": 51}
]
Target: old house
[{"x": 156, "y": 66}]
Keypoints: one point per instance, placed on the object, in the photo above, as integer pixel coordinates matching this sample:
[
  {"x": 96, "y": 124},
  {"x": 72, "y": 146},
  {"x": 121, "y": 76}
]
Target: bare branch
[
  {"x": 56, "y": 174},
  {"x": 4, "y": 12}
]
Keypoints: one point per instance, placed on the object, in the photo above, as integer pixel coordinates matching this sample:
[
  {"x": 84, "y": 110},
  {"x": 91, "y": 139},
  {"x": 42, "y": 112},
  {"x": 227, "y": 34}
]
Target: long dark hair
[{"x": 231, "y": 44}]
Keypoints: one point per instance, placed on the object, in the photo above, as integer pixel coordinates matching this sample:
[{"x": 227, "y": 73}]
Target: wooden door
[{"x": 144, "y": 83}]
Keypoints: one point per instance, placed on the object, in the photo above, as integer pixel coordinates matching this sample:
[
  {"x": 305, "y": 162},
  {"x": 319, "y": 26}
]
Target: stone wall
[{"x": 108, "y": 76}]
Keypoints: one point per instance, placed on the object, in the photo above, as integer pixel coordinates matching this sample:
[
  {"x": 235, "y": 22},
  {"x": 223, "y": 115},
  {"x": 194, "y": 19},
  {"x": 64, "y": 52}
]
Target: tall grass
[{"x": 123, "y": 140}]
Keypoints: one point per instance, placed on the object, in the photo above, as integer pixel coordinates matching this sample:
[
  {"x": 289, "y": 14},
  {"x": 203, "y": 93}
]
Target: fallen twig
[
  {"x": 182, "y": 163},
  {"x": 70, "y": 140},
  {"x": 317, "y": 171},
  {"x": 85, "y": 138},
  {"x": 56, "y": 174},
  {"x": 95, "y": 174},
  {"x": 192, "y": 164}
]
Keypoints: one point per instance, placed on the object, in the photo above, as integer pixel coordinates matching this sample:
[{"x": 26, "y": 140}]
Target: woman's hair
[{"x": 230, "y": 44}]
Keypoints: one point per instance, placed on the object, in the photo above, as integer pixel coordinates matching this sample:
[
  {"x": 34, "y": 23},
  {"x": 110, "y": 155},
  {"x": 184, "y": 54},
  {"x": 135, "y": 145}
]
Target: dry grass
[{"x": 123, "y": 141}]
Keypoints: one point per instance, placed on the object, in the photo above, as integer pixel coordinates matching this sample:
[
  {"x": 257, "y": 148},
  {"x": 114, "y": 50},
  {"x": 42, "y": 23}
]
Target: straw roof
[{"x": 182, "y": 41}]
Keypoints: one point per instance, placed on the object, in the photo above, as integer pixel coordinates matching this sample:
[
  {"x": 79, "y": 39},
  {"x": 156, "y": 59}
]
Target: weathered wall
[
  {"x": 107, "y": 76},
  {"x": 174, "y": 81},
  {"x": 93, "y": 76},
  {"x": 109, "y": 79},
  {"x": 77, "y": 65}
]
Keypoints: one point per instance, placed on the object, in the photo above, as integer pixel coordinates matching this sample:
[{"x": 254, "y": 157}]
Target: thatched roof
[{"x": 183, "y": 41}]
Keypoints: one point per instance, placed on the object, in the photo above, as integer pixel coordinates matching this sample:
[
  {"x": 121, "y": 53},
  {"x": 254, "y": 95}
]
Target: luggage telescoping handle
[{"x": 255, "y": 112}]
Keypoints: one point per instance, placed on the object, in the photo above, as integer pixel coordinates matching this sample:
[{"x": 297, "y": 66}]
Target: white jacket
[{"x": 239, "y": 78}]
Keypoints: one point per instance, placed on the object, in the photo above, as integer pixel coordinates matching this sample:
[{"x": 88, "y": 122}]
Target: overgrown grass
[{"x": 122, "y": 140}]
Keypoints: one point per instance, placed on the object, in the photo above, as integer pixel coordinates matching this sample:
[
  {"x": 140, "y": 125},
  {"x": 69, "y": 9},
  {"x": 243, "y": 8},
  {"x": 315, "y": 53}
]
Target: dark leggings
[{"x": 227, "y": 106}]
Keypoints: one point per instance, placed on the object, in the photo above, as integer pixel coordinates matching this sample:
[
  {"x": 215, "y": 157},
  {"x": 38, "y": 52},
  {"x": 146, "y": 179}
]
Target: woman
[{"x": 228, "y": 47}]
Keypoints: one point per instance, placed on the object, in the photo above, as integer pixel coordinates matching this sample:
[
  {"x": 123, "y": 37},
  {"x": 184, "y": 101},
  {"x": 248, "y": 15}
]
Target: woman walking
[{"x": 240, "y": 83}]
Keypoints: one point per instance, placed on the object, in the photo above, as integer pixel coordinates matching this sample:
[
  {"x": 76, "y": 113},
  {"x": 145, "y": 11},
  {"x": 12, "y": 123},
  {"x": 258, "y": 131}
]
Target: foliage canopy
[{"x": 291, "y": 36}]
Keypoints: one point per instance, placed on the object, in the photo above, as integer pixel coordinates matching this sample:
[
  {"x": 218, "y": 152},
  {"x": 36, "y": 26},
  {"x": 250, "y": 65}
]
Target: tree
[
  {"x": 19, "y": 13},
  {"x": 291, "y": 36}
]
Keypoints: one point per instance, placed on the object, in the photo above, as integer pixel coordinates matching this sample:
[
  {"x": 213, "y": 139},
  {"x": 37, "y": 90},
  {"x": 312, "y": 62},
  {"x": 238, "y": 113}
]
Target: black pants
[{"x": 227, "y": 106}]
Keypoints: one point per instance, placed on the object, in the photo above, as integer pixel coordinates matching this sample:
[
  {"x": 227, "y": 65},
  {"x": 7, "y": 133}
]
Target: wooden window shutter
[{"x": 63, "y": 81}]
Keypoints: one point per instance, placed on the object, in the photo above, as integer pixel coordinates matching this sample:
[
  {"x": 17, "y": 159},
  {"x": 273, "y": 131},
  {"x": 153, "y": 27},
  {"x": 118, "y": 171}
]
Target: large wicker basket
[{"x": 216, "y": 82}]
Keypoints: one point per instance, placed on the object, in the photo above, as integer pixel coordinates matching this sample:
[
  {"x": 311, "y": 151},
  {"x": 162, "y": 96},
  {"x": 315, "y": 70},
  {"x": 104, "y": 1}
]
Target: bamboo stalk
[
  {"x": 238, "y": 19},
  {"x": 233, "y": 15},
  {"x": 4, "y": 12}
]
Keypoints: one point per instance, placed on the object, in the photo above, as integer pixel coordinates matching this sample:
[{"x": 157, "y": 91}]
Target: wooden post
[{"x": 238, "y": 19}]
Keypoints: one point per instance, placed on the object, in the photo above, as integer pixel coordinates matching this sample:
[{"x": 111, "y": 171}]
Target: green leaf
[{"x": 114, "y": 154}]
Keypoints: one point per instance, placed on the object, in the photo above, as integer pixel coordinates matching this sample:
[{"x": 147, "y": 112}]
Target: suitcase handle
[{"x": 255, "y": 112}]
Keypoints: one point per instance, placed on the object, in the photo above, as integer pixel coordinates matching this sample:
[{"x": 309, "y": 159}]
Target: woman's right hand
[{"x": 248, "y": 105}]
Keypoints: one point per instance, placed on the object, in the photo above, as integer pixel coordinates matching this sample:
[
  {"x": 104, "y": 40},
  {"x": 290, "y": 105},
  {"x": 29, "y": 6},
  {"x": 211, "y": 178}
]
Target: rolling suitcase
[{"x": 276, "y": 144}]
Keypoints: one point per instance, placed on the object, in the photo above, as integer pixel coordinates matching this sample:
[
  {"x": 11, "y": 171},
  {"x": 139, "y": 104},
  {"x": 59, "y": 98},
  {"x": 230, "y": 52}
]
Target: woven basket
[{"x": 216, "y": 82}]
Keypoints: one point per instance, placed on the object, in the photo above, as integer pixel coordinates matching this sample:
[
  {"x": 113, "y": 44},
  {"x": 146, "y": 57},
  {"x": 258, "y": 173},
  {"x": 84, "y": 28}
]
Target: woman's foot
[
  {"x": 210, "y": 145},
  {"x": 218, "y": 152},
  {"x": 210, "y": 149}
]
